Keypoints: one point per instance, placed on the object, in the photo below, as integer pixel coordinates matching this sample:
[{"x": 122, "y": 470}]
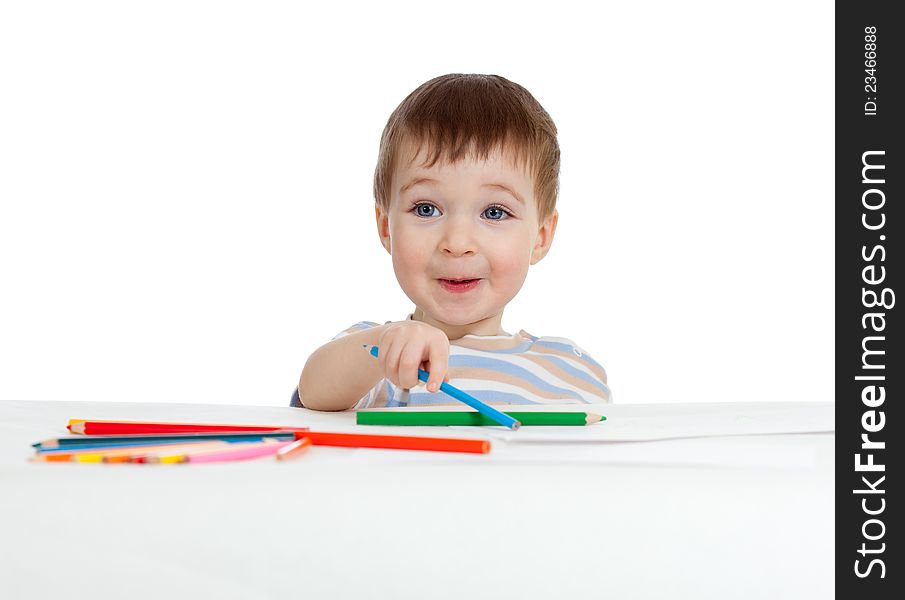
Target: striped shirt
[{"x": 501, "y": 369}]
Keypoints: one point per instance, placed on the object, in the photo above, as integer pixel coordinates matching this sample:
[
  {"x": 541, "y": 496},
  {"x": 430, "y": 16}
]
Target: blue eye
[
  {"x": 424, "y": 209},
  {"x": 496, "y": 213}
]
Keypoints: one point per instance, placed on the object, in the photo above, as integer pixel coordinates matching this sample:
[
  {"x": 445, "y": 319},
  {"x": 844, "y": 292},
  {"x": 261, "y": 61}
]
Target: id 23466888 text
[{"x": 870, "y": 70}]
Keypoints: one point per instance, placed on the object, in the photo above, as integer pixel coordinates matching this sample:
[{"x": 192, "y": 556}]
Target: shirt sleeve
[
  {"x": 360, "y": 326},
  {"x": 588, "y": 370},
  {"x": 582, "y": 356}
]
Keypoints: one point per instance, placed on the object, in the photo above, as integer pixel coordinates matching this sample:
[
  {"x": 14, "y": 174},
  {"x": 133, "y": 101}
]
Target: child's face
[{"x": 472, "y": 220}]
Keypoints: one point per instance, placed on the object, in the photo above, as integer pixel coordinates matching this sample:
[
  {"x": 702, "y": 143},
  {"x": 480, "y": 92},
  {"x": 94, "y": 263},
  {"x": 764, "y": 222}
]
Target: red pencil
[
  {"x": 396, "y": 442},
  {"x": 322, "y": 438},
  {"x": 89, "y": 427}
]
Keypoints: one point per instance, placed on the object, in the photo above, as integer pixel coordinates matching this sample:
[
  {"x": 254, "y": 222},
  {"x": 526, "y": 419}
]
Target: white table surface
[{"x": 742, "y": 516}]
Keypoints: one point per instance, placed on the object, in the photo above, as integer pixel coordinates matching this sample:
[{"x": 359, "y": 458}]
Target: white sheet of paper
[{"x": 650, "y": 422}]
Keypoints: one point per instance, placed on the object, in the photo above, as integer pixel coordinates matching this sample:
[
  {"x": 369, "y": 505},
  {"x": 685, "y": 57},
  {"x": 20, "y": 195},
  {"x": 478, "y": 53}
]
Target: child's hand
[{"x": 407, "y": 345}]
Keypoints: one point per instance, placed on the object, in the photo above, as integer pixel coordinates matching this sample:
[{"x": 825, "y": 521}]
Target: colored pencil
[
  {"x": 236, "y": 452},
  {"x": 417, "y": 417},
  {"x": 118, "y": 454},
  {"x": 485, "y": 409},
  {"x": 102, "y": 441},
  {"x": 99, "y": 427},
  {"x": 172, "y": 453},
  {"x": 396, "y": 442},
  {"x": 294, "y": 449}
]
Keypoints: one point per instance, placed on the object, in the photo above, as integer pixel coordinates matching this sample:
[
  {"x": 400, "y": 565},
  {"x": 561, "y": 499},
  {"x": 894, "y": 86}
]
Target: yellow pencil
[
  {"x": 167, "y": 459},
  {"x": 97, "y": 457}
]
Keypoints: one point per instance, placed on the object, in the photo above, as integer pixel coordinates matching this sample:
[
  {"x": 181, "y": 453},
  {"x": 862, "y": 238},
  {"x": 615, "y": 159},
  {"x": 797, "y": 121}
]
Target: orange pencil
[
  {"x": 293, "y": 449},
  {"x": 396, "y": 442},
  {"x": 97, "y": 427}
]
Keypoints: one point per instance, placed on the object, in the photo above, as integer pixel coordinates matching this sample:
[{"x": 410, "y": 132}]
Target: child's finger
[
  {"x": 390, "y": 364},
  {"x": 439, "y": 360},
  {"x": 427, "y": 368},
  {"x": 426, "y": 365},
  {"x": 409, "y": 361}
]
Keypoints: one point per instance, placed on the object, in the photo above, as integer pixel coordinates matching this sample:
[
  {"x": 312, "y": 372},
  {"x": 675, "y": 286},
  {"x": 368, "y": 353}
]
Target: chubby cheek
[
  {"x": 410, "y": 259},
  {"x": 509, "y": 273}
]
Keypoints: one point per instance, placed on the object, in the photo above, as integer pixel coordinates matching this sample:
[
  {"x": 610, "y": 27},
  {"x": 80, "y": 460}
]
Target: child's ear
[
  {"x": 544, "y": 237},
  {"x": 383, "y": 226}
]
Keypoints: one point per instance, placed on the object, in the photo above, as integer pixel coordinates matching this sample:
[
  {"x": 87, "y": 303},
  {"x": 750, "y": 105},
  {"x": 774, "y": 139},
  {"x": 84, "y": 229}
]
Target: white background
[{"x": 186, "y": 209}]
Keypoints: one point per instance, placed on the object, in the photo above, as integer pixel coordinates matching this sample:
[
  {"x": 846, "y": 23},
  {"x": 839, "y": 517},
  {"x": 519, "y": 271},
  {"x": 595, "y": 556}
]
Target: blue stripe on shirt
[
  {"x": 565, "y": 366},
  {"x": 521, "y": 373}
]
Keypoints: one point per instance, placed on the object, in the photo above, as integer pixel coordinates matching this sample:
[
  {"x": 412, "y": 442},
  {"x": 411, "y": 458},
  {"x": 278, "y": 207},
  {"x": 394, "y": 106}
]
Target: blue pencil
[
  {"x": 85, "y": 442},
  {"x": 486, "y": 410}
]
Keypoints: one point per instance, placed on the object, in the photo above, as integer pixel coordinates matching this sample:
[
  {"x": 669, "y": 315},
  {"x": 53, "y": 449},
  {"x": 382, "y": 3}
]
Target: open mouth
[{"x": 458, "y": 285}]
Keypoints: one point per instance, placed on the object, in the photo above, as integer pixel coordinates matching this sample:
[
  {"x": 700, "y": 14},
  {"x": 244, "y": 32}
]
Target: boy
[{"x": 465, "y": 190}]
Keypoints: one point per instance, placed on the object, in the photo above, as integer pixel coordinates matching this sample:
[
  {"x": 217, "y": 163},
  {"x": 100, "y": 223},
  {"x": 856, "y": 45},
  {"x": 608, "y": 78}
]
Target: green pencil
[{"x": 411, "y": 417}]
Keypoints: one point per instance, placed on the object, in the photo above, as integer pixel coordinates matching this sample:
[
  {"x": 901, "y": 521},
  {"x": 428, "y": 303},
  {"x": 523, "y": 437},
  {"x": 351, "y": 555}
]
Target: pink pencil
[{"x": 253, "y": 450}]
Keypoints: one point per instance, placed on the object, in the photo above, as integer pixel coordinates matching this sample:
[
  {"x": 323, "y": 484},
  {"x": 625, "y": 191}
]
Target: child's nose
[{"x": 458, "y": 238}]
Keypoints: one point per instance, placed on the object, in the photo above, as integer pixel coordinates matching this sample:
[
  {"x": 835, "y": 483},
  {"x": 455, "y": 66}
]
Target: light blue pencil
[{"x": 486, "y": 410}]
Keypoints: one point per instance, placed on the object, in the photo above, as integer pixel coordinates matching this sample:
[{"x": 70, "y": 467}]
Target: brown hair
[{"x": 459, "y": 114}]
